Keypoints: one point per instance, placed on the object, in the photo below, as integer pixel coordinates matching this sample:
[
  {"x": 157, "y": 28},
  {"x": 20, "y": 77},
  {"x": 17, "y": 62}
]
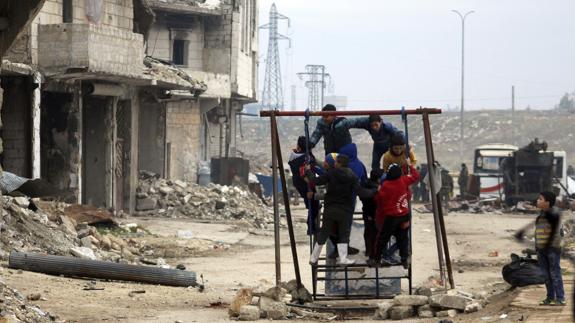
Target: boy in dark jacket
[
  {"x": 341, "y": 184},
  {"x": 368, "y": 211},
  {"x": 297, "y": 160},
  {"x": 548, "y": 246},
  {"x": 392, "y": 217}
]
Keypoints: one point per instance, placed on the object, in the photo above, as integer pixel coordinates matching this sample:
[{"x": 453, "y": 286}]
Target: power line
[
  {"x": 315, "y": 81},
  {"x": 272, "y": 96}
]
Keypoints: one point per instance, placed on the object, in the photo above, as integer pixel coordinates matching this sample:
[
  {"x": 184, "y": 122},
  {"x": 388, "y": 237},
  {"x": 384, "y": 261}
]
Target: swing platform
[{"x": 351, "y": 275}]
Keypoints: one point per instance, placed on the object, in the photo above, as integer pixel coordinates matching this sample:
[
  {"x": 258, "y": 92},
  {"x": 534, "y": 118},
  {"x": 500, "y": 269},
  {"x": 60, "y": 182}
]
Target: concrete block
[
  {"x": 448, "y": 302},
  {"x": 410, "y": 300},
  {"x": 382, "y": 311},
  {"x": 146, "y": 204},
  {"x": 401, "y": 312},
  {"x": 249, "y": 313},
  {"x": 425, "y": 291},
  {"x": 271, "y": 309},
  {"x": 447, "y": 313},
  {"x": 473, "y": 307}
]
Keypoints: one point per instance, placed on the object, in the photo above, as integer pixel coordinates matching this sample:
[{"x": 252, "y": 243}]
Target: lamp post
[{"x": 462, "y": 16}]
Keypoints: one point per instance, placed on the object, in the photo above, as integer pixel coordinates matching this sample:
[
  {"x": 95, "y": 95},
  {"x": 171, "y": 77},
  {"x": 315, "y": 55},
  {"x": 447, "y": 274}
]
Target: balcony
[{"x": 89, "y": 50}]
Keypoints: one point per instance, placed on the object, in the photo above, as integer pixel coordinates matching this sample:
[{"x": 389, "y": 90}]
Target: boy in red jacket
[{"x": 392, "y": 217}]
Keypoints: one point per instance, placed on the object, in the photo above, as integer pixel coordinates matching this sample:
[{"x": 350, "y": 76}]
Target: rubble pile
[
  {"x": 271, "y": 304},
  {"x": 44, "y": 227},
  {"x": 425, "y": 304},
  {"x": 15, "y": 308},
  {"x": 157, "y": 196}
]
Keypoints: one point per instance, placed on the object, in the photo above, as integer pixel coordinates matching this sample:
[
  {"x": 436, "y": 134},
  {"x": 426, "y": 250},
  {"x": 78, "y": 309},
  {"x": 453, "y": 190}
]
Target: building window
[
  {"x": 67, "y": 11},
  {"x": 180, "y": 52}
]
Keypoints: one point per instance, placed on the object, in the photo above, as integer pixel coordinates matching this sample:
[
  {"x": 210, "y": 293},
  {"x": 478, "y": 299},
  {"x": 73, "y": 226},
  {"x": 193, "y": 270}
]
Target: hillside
[{"x": 481, "y": 127}]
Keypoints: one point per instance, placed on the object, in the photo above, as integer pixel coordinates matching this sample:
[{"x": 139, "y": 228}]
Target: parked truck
[{"x": 515, "y": 174}]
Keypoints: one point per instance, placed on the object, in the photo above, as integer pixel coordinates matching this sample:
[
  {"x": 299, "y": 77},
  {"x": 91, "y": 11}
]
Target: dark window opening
[
  {"x": 67, "y": 11},
  {"x": 180, "y": 52}
]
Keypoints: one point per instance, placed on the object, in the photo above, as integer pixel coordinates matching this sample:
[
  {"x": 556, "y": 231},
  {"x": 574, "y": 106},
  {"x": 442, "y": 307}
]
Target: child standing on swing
[
  {"x": 341, "y": 184},
  {"x": 396, "y": 154},
  {"x": 392, "y": 217}
]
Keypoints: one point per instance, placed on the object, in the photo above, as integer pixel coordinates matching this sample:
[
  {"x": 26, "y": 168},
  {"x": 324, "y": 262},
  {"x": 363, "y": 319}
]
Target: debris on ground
[
  {"x": 446, "y": 304},
  {"x": 49, "y": 229},
  {"x": 272, "y": 303},
  {"x": 14, "y": 307},
  {"x": 180, "y": 199}
]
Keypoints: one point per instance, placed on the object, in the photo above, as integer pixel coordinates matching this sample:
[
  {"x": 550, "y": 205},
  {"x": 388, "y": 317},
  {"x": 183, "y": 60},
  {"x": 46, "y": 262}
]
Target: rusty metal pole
[
  {"x": 433, "y": 189},
  {"x": 442, "y": 224},
  {"x": 275, "y": 199},
  {"x": 287, "y": 207}
]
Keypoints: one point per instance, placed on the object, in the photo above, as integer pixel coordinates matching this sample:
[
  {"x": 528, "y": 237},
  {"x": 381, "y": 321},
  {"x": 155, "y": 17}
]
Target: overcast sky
[{"x": 388, "y": 54}]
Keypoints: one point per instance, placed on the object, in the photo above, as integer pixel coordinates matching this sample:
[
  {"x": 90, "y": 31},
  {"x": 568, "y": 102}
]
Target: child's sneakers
[
  {"x": 548, "y": 302},
  {"x": 560, "y": 302}
]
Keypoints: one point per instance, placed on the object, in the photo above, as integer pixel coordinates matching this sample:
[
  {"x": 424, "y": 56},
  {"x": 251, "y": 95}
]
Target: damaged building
[
  {"x": 215, "y": 42},
  {"x": 88, "y": 101}
]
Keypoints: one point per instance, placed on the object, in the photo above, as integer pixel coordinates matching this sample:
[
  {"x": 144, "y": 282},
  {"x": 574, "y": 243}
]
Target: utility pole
[
  {"x": 315, "y": 81},
  {"x": 293, "y": 98},
  {"x": 272, "y": 96},
  {"x": 461, "y": 134},
  {"x": 513, "y": 125}
]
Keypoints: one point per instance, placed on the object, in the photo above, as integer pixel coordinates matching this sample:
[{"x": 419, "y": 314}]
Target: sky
[{"x": 388, "y": 54}]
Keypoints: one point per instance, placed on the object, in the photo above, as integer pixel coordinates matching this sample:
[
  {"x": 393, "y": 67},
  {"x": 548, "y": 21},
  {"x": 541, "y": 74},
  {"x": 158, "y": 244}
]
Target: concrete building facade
[
  {"x": 216, "y": 44},
  {"x": 96, "y": 91},
  {"x": 74, "y": 79}
]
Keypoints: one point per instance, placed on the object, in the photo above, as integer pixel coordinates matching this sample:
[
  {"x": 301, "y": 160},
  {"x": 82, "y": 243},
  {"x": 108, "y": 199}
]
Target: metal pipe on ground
[{"x": 75, "y": 267}]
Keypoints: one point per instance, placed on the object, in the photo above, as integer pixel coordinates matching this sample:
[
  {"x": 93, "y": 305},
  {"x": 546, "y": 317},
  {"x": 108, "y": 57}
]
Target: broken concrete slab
[
  {"x": 22, "y": 201},
  {"x": 86, "y": 242},
  {"x": 473, "y": 307},
  {"x": 68, "y": 224},
  {"x": 271, "y": 309},
  {"x": 425, "y": 314},
  {"x": 448, "y": 302},
  {"x": 425, "y": 291},
  {"x": 249, "y": 313},
  {"x": 401, "y": 312},
  {"x": 447, "y": 313},
  {"x": 83, "y": 252},
  {"x": 410, "y": 300},
  {"x": 382, "y": 311},
  {"x": 166, "y": 190},
  {"x": 146, "y": 204}
]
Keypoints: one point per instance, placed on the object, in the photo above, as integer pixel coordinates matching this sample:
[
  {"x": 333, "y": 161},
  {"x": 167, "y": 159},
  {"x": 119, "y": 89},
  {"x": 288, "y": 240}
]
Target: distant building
[{"x": 339, "y": 101}]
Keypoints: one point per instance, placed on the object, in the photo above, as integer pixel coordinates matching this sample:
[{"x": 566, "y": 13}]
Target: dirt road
[{"x": 249, "y": 261}]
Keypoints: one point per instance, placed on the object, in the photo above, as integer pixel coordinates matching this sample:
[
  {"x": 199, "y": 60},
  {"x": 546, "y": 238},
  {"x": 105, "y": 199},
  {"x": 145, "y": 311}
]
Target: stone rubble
[
  {"x": 15, "y": 308},
  {"x": 48, "y": 230},
  {"x": 179, "y": 199},
  {"x": 272, "y": 303},
  {"x": 446, "y": 304}
]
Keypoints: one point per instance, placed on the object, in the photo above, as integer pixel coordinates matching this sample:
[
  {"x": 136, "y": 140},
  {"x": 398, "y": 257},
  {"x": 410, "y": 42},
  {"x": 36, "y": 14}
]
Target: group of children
[{"x": 385, "y": 195}]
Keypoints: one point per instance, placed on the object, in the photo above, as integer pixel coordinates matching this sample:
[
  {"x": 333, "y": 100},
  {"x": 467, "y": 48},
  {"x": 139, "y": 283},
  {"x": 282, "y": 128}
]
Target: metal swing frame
[{"x": 444, "y": 259}]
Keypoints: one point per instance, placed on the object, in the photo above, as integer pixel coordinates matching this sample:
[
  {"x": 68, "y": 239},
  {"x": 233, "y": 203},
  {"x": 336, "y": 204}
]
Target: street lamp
[{"x": 461, "y": 145}]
